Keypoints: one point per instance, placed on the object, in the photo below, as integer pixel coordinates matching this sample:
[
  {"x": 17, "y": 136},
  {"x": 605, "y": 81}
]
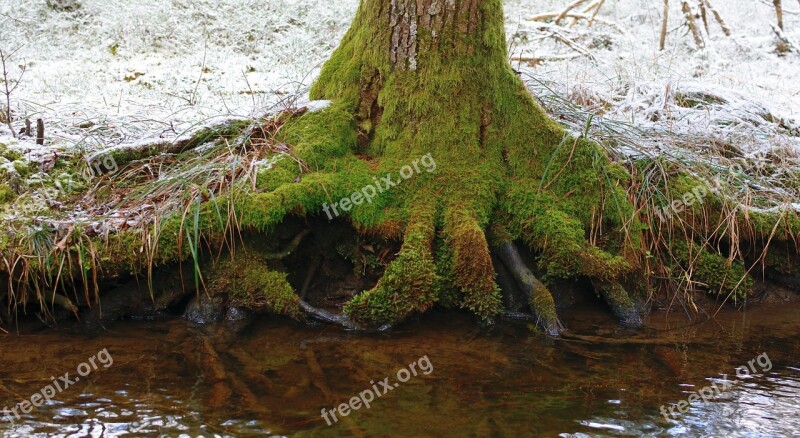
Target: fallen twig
[
  {"x": 578, "y": 16},
  {"x": 563, "y": 14}
]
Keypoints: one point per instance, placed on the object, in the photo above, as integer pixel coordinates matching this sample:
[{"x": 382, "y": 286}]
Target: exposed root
[
  {"x": 408, "y": 285},
  {"x": 127, "y": 153},
  {"x": 542, "y": 303},
  {"x": 621, "y": 303},
  {"x": 289, "y": 249},
  {"x": 64, "y": 303},
  {"x": 473, "y": 272},
  {"x": 326, "y": 317},
  {"x": 312, "y": 270}
]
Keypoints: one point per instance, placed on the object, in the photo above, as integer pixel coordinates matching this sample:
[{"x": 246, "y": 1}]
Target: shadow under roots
[
  {"x": 335, "y": 262},
  {"x": 324, "y": 263},
  {"x": 518, "y": 301},
  {"x": 306, "y": 269}
]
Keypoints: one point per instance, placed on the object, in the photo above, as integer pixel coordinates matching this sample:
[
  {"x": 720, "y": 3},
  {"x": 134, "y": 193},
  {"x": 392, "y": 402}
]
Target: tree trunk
[
  {"x": 432, "y": 77},
  {"x": 405, "y": 63}
]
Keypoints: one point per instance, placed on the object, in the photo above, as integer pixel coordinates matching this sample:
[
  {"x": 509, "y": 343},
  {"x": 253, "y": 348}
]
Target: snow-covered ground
[{"x": 116, "y": 71}]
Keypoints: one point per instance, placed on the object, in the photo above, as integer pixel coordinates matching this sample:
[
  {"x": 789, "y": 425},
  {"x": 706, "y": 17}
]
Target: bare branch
[
  {"x": 8, "y": 90},
  {"x": 567, "y": 10},
  {"x": 717, "y": 16},
  {"x": 779, "y": 12},
  {"x": 664, "y": 23},
  {"x": 688, "y": 12}
]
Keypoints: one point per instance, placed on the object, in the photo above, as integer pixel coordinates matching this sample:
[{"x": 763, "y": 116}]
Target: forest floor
[{"x": 114, "y": 72}]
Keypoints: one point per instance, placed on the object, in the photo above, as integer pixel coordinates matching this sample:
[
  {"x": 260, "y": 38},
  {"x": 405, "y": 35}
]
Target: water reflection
[{"x": 171, "y": 378}]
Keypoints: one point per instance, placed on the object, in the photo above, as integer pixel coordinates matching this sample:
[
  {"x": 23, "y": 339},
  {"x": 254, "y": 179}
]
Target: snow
[{"x": 114, "y": 72}]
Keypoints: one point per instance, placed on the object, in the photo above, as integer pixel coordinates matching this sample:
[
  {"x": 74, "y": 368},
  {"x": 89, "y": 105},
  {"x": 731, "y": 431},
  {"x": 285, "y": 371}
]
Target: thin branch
[
  {"x": 8, "y": 91},
  {"x": 688, "y": 12},
  {"x": 717, "y": 16},
  {"x": 567, "y": 10},
  {"x": 596, "y": 10},
  {"x": 703, "y": 14},
  {"x": 664, "y": 23},
  {"x": 578, "y": 16},
  {"x": 202, "y": 71},
  {"x": 779, "y": 12}
]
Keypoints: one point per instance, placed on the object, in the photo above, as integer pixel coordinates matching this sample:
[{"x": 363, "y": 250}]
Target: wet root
[
  {"x": 621, "y": 303},
  {"x": 542, "y": 303}
]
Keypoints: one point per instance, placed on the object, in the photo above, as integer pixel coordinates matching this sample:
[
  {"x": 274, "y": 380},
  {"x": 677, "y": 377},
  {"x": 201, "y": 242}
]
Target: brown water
[{"x": 276, "y": 377}]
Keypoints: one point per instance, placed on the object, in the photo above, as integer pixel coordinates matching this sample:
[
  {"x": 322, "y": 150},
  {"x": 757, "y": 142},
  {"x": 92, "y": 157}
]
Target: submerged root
[
  {"x": 542, "y": 303},
  {"x": 213, "y": 372}
]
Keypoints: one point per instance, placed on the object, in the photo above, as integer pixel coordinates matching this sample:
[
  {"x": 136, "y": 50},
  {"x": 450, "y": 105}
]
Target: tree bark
[{"x": 397, "y": 50}]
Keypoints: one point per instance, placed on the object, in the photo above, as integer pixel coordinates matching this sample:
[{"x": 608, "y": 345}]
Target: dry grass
[{"x": 655, "y": 157}]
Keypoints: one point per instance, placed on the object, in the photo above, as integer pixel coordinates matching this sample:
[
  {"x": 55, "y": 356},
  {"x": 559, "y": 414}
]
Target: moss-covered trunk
[{"x": 431, "y": 77}]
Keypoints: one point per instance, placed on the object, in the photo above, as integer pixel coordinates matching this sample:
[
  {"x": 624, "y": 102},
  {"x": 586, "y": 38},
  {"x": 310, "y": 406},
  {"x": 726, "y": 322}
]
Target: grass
[{"x": 752, "y": 200}]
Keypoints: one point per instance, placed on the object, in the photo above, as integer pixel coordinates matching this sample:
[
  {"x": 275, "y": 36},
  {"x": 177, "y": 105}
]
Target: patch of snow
[{"x": 114, "y": 72}]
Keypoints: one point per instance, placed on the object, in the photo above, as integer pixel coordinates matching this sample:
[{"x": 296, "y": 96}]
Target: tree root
[
  {"x": 472, "y": 267},
  {"x": 64, "y": 302},
  {"x": 542, "y": 303},
  {"x": 622, "y": 305},
  {"x": 326, "y": 317},
  {"x": 312, "y": 270},
  {"x": 123, "y": 154},
  {"x": 409, "y": 282},
  {"x": 289, "y": 249}
]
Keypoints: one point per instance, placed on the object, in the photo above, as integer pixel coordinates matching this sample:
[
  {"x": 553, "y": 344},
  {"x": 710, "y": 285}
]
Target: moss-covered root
[
  {"x": 543, "y": 305},
  {"x": 251, "y": 284},
  {"x": 473, "y": 272},
  {"x": 408, "y": 284},
  {"x": 621, "y": 303}
]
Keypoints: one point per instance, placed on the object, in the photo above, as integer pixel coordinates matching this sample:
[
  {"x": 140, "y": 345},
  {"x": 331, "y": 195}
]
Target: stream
[{"x": 172, "y": 378}]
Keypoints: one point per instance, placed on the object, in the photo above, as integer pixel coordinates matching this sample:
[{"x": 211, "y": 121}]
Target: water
[{"x": 170, "y": 378}]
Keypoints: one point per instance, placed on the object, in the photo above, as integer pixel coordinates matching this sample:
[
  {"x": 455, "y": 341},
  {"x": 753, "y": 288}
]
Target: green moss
[
  {"x": 620, "y": 301},
  {"x": 409, "y": 283},
  {"x": 718, "y": 274},
  {"x": 10, "y": 155},
  {"x": 252, "y": 285},
  {"x": 7, "y": 194},
  {"x": 22, "y": 168},
  {"x": 472, "y": 268},
  {"x": 500, "y": 160}
]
